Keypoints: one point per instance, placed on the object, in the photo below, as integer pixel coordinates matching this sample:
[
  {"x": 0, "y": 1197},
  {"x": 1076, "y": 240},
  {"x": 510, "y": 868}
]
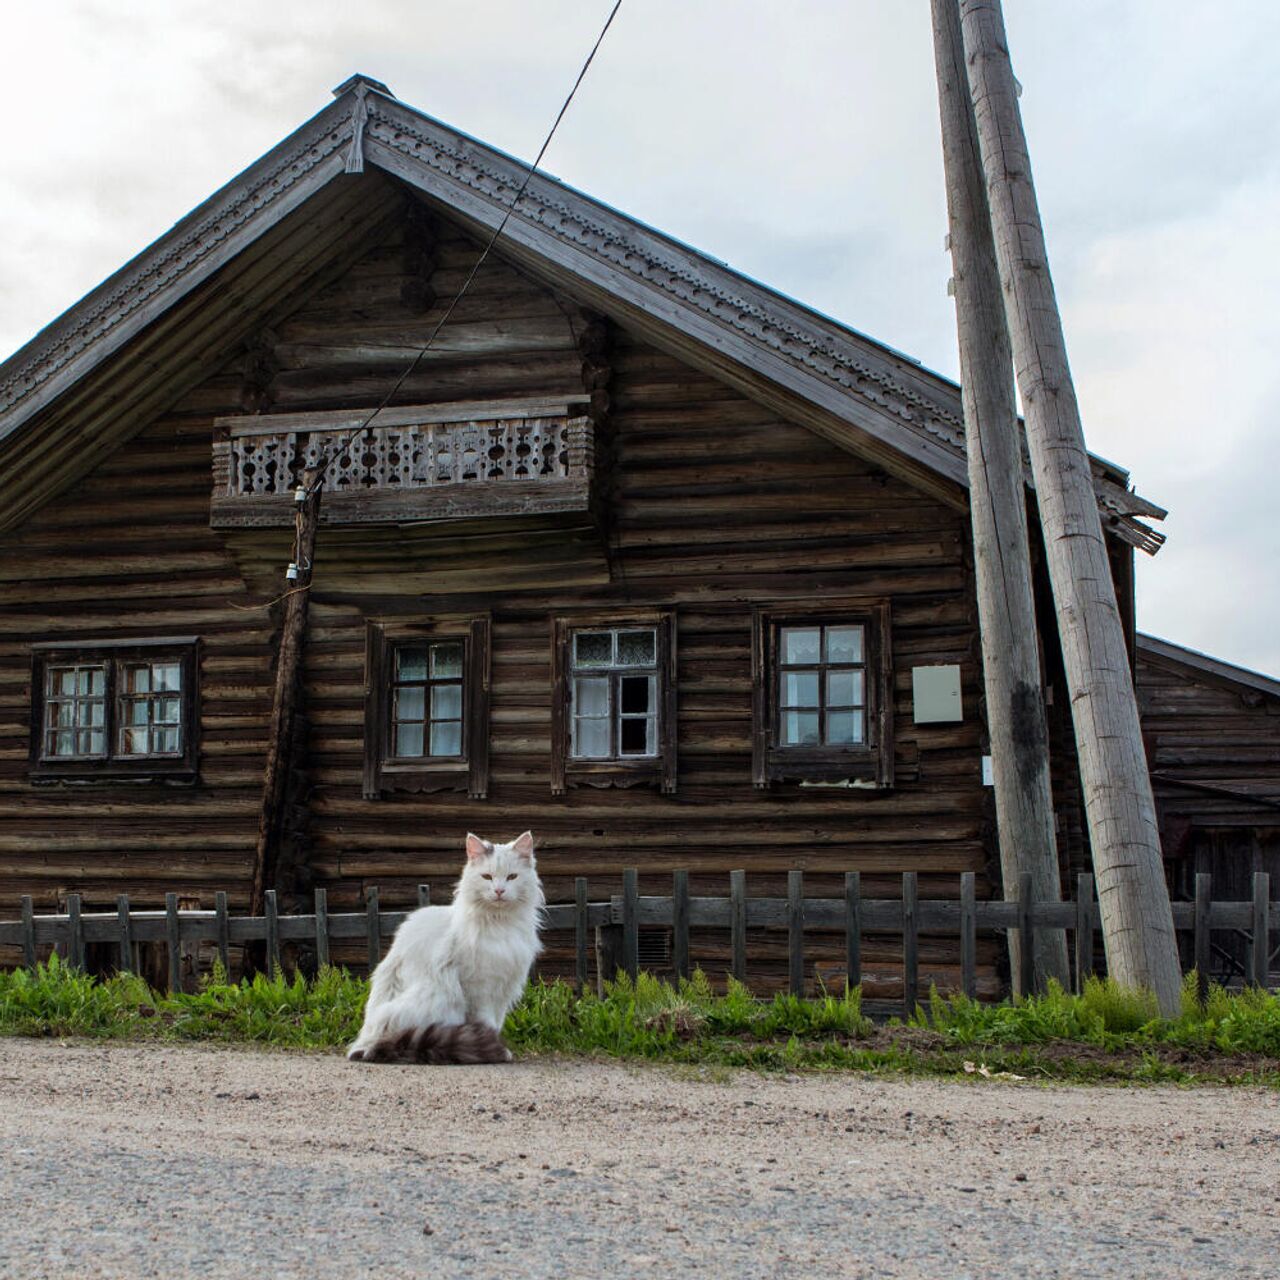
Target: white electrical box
[{"x": 935, "y": 693}]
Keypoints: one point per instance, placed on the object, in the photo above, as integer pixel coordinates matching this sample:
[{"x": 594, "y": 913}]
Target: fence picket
[
  {"x": 1203, "y": 935},
  {"x": 322, "y": 928},
  {"x": 968, "y": 934},
  {"x": 373, "y": 928},
  {"x": 172, "y": 943},
  {"x": 124, "y": 956},
  {"x": 738, "y": 925},
  {"x": 852, "y": 930},
  {"x": 1026, "y": 938},
  {"x": 910, "y": 945},
  {"x": 795, "y": 932},
  {"x": 223, "y": 926},
  {"x": 580, "y": 933},
  {"x": 1261, "y": 929},
  {"x": 680, "y": 923},
  {"x": 631, "y": 922}
]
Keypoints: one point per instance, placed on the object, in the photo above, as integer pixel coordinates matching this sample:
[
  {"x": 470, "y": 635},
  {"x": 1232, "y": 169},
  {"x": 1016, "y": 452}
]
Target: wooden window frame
[
  {"x": 628, "y": 771},
  {"x": 113, "y": 766},
  {"x": 469, "y": 772},
  {"x": 869, "y": 764}
]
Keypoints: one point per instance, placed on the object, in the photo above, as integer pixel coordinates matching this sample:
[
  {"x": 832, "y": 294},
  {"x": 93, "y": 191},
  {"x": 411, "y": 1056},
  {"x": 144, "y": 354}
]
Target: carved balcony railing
[{"x": 429, "y": 462}]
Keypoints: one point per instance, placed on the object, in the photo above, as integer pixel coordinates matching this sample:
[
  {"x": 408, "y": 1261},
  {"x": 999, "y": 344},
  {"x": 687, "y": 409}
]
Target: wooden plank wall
[{"x": 714, "y": 503}]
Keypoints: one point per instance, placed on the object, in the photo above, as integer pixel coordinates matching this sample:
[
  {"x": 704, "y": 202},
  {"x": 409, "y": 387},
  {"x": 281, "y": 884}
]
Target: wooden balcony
[{"x": 461, "y": 461}]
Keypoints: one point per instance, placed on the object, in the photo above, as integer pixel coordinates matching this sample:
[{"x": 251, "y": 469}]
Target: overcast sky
[{"x": 798, "y": 139}]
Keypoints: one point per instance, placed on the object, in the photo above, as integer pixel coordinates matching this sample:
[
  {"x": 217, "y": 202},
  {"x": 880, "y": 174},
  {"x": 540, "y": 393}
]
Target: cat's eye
[
  {"x": 486, "y": 877},
  {"x": 512, "y": 876}
]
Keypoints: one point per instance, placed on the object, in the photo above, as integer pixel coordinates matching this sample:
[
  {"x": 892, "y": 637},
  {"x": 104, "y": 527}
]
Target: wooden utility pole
[
  {"x": 998, "y": 512},
  {"x": 1137, "y": 922},
  {"x": 284, "y": 706}
]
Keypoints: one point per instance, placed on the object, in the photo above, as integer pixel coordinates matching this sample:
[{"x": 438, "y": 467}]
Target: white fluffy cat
[{"x": 443, "y": 991}]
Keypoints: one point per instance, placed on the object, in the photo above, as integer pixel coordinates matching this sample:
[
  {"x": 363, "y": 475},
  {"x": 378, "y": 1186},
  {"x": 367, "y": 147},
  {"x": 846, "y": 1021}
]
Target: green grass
[{"x": 1106, "y": 1033}]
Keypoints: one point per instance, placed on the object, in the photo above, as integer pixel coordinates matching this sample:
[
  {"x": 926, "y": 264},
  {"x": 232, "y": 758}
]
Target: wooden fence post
[
  {"x": 795, "y": 932},
  {"x": 910, "y": 946},
  {"x": 322, "y": 928},
  {"x": 608, "y": 955},
  {"x": 424, "y": 895},
  {"x": 124, "y": 935},
  {"x": 680, "y": 923},
  {"x": 372, "y": 928},
  {"x": 75, "y": 929},
  {"x": 1261, "y": 929},
  {"x": 1203, "y": 936},
  {"x": 1084, "y": 929},
  {"x": 968, "y": 934},
  {"x": 222, "y": 924},
  {"x": 580, "y": 933},
  {"x": 631, "y": 922},
  {"x": 738, "y": 925},
  {"x": 852, "y": 930},
  {"x": 173, "y": 941},
  {"x": 1026, "y": 936},
  {"x": 28, "y": 932},
  {"x": 270, "y": 911}
]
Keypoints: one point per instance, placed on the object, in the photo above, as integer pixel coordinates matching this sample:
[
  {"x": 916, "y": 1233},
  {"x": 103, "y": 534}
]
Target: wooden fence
[{"x": 617, "y": 923}]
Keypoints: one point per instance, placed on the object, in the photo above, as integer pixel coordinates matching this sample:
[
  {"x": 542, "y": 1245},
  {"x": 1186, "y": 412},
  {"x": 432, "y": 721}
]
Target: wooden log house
[{"x": 642, "y": 555}]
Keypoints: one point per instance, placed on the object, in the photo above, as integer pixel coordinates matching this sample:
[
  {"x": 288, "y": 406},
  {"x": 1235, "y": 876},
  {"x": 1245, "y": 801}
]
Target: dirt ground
[{"x": 153, "y": 1161}]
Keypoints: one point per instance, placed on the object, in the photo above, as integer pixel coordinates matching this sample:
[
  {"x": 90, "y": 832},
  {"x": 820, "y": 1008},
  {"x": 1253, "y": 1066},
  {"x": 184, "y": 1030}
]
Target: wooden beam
[
  {"x": 998, "y": 514},
  {"x": 1137, "y": 921}
]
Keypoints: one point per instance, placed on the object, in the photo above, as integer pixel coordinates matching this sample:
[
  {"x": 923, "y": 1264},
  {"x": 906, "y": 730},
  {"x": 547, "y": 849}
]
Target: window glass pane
[
  {"x": 168, "y": 677},
  {"x": 90, "y": 742},
  {"x": 62, "y": 713},
  {"x": 591, "y": 697},
  {"x": 85, "y": 683},
  {"x": 800, "y": 689},
  {"x": 844, "y": 689},
  {"x": 137, "y": 679},
  {"x": 446, "y": 738},
  {"x": 411, "y": 664},
  {"x": 637, "y": 695},
  {"x": 446, "y": 702},
  {"x": 593, "y": 649},
  {"x": 846, "y": 728},
  {"x": 97, "y": 682},
  {"x": 135, "y": 742},
  {"x": 168, "y": 710},
  {"x": 637, "y": 648},
  {"x": 801, "y": 645},
  {"x": 66, "y": 680},
  {"x": 135, "y": 712},
  {"x": 408, "y": 740},
  {"x": 844, "y": 644},
  {"x": 636, "y": 736},
  {"x": 446, "y": 659},
  {"x": 168, "y": 740},
  {"x": 410, "y": 704},
  {"x": 800, "y": 728},
  {"x": 96, "y": 712},
  {"x": 590, "y": 738},
  {"x": 64, "y": 743}
]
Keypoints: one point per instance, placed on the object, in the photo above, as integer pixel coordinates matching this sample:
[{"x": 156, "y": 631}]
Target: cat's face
[{"x": 500, "y": 876}]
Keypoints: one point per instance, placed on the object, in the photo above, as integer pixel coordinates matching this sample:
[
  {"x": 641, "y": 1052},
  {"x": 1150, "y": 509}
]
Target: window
[
  {"x": 427, "y": 706},
  {"x": 613, "y": 709},
  {"x": 823, "y": 695},
  {"x": 115, "y": 709}
]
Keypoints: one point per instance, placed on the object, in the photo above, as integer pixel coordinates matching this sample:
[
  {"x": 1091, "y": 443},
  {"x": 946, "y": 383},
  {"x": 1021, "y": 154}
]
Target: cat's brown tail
[{"x": 467, "y": 1042}]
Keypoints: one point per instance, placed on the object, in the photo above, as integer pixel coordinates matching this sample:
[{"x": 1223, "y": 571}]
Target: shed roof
[
  {"x": 1201, "y": 663},
  {"x": 281, "y": 228}
]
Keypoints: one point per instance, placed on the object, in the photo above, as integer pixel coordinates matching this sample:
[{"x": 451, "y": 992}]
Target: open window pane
[
  {"x": 801, "y": 646},
  {"x": 800, "y": 689},
  {"x": 637, "y": 695},
  {"x": 446, "y": 738},
  {"x": 637, "y": 736}
]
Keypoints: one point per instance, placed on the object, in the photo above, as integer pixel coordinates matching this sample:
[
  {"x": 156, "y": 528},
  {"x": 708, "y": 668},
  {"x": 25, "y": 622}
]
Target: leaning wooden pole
[
  {"x": 284, "y": 706},
  {"x": 1137, "y": 921},
  {"x": 998, "y": 513}
]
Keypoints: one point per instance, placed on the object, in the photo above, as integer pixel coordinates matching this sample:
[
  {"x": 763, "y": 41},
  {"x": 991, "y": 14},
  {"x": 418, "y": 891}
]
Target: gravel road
[{"x": 155, "y": 1161}]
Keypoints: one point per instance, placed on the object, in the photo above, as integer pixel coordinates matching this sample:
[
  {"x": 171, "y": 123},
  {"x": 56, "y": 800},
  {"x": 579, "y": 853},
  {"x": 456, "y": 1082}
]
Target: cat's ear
[
  {"x": 523, "y": 846},
  {"x": 477, "y": 848}
]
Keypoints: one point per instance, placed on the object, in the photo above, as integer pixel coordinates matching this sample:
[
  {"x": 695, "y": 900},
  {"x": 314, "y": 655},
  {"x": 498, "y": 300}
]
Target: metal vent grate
[{"x": 655, "y": 948}]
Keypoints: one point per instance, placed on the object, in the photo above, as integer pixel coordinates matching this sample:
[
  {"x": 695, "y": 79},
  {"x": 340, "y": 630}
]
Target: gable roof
[
  {"x": 1202, "y": 664},
  {"x": 249, "y": 253}
]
